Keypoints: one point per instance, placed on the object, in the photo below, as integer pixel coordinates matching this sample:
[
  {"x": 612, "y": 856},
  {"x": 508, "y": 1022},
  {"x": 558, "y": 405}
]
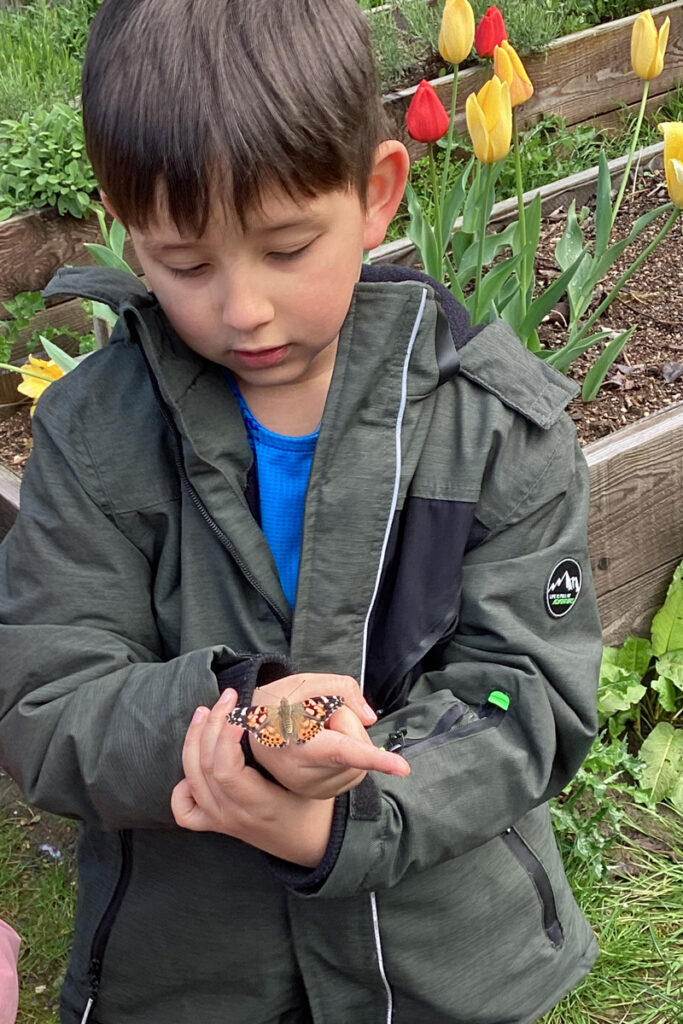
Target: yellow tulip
[
  {"x": 456, "y": 35},
  {"x": 33, "y": 386},
  {"x": 673, "y": 160},
  {"x": 489, "y": 120},
  {"x": 509, "y": 68},
  {"x": 648, "y": 46}
]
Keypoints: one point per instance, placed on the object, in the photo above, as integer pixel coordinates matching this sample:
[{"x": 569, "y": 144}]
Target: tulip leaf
[
  {"x": 421, "y": 233},
  {"x": 600, "y": 368},
  {"x": 59, "y": 357},
  {"x": 117, "y": 238},
  {"x": 493, "y": 281},
  {"x": 453, "y": 203},
  {"x": 493, "y": 243},
  {"x": 453, "y": 282},
  {"x": 106, "y": 257},
  {"x": 542, "y": 305},
  {"x": 563, "y": 357},
  {"x": 571, "y": 244},
  {"x": 603, "y": 206}
]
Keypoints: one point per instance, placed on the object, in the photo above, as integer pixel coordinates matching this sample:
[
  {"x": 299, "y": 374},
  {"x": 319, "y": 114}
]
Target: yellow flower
[
  {"x": 489, "y": 120},
  {"x": 509, "y": 68},
  {"x": 673, "y": 160},
  {"x": 648, "y": 46},
  {"x": 456, "y": 35},
  {"x": 45, "y": 372}
]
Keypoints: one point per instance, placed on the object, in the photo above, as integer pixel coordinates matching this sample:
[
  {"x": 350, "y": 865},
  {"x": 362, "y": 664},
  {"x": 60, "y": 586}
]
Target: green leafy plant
[
  {"x": 641, "y": 693},
  {"x": 22, "y": 309},
  {"x": 108, "y": 253},
  {"x": 43, "y": 163}
]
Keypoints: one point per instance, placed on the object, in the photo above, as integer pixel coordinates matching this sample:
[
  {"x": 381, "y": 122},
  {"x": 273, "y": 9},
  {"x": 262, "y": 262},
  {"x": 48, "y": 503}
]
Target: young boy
[{"x": 287, "y": 482}]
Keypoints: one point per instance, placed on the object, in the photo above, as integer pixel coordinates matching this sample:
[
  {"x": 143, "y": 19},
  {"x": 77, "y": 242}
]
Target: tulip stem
[
  {"x": 523, "y": 267},
  {"x": 637, "y": 263},
  {"x": 449, "y": 139},
  {"x": 483, "y": 197},
  {"x": 26, "y": 373},
  {"x": 632, "y": 149},
  {"x": 437, "y": 211}
]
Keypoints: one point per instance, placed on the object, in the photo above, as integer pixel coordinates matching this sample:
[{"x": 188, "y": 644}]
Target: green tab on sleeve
[{"x": 500, "y": 699}]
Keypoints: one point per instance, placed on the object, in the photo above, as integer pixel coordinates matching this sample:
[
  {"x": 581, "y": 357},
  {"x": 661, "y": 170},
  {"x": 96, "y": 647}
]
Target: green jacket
[{"x": 444, "y": 565}]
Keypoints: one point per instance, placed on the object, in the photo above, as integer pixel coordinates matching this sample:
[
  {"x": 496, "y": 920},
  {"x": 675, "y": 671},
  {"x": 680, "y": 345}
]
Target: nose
[{"x": 244, "y": 300}]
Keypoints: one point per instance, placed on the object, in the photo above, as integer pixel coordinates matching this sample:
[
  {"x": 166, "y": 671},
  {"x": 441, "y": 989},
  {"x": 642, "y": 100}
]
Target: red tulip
[
  {"x": 426, "y": 117},
  {"x": 489, "y": 33}
]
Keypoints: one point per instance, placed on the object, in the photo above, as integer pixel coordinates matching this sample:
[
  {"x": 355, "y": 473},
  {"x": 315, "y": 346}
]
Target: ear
[
  {"x": 385, "y": 190},
  {"x": 106, "y": 203}
]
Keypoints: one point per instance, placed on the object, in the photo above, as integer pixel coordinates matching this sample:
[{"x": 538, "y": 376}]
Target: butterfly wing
[
  {"x": 310, "y": 715},
  {"x": 261, "y": 722}
]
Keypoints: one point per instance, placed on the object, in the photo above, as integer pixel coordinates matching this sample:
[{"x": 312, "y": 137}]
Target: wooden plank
[
  {"x": 582, "y": 75},
  {"x": 636, "y": 526},
  {"x": 35, "y": 244},
  {"x": 9, "y": 498},
  {"x": 629, "y": 610}
]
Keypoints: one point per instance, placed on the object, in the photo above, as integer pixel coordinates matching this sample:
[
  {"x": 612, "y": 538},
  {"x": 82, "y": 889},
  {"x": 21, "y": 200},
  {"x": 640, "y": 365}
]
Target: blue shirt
[{"x": 283, "y": 466}]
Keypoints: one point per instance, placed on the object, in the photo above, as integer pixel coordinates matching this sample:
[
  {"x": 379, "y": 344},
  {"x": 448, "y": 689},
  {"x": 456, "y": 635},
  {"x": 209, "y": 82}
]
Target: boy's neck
[{"x": 293, "y": 410}]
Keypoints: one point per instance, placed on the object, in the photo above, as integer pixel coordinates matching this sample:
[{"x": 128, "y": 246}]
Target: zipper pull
[{"x": 396, "y": 741}]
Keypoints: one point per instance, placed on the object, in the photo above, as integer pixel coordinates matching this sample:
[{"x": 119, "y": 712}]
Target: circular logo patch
[{"x": 563, "y": 588}]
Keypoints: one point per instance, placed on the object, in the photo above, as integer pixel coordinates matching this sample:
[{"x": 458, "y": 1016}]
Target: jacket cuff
[
  {"x": 255, "y": 670},
  {"x": 307, "y": 881}
]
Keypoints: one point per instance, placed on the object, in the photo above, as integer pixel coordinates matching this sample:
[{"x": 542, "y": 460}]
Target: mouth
[{"x": 260, "y": 357}]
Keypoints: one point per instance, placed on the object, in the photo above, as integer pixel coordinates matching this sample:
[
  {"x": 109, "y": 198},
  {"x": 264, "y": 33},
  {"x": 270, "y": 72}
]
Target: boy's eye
[
  {"x": 292, "y": 253},
  {"x": 188, "y": 271}
]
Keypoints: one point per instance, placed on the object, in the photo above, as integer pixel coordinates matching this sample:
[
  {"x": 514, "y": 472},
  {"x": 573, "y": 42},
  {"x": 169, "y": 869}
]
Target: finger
[
  {"x": 335, "y": 748},
  {"x": 348, "y": 688},
  {"x": 186, "y": 811},
  {"x": 213, "y": 727},
  {"x": 346, "y": 721},
  {"x": 192, "y": 737}
]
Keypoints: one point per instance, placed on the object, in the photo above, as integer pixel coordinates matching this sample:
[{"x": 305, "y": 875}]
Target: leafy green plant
[
  {"x": 641, "y": 693},
  {"x": 43, "y": 163},
  {"x": 22, "y": 309}
]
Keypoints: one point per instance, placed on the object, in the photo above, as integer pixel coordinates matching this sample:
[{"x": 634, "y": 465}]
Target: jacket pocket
[
  {"x": 106, "y": 922},
  {"x": 526, "y": 857},
  {"x": 459, "y": 721}
]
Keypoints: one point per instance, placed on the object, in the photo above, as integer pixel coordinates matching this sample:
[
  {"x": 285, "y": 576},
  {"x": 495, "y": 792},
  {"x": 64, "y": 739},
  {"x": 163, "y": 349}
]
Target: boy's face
[{"x": 266, "y": 301}]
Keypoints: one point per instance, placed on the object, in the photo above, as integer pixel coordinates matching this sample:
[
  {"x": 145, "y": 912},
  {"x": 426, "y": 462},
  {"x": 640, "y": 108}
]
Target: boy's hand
[
  {"x": 221, "y": 794},
  {"x": 338, "y": 758}
]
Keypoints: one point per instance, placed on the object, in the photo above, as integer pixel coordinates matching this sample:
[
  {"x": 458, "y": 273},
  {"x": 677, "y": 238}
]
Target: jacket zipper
[
  {"x": 523, "y": 853},
  {"x": 199, "y": 504},
  {"x": 103, "y": 930},
  {"x": 490, "y": 717}
]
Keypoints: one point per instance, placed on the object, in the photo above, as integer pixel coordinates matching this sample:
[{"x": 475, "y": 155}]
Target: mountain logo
[{"x": 563, "y": 588}]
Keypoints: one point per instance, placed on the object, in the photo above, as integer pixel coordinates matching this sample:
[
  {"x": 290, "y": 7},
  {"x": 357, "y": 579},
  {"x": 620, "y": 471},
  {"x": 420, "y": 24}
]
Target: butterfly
[{"x": 274, "y": 726}]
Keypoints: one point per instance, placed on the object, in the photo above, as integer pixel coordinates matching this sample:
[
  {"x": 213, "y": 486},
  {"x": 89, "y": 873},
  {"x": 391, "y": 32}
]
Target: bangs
[{"x": 228, "y": 101}]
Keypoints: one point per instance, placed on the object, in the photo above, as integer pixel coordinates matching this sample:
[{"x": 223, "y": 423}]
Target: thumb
[{"x": 186, "y": 811}]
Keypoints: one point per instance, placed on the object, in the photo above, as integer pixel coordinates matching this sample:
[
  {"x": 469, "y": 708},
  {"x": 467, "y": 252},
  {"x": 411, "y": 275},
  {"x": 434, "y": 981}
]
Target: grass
[
  {"x": 37, "y": 897},
  {"x": 41, "y": 51},
  {"x": 636, "y": 909}
]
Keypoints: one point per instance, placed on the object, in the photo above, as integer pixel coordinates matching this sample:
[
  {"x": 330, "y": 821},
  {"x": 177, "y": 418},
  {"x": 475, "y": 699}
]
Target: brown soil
[{"x": 648, "y": 375}]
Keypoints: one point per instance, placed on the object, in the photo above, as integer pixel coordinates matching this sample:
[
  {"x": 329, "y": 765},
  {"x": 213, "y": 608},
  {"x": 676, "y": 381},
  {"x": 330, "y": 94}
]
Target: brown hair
[{"x": 199, "y": 96}]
